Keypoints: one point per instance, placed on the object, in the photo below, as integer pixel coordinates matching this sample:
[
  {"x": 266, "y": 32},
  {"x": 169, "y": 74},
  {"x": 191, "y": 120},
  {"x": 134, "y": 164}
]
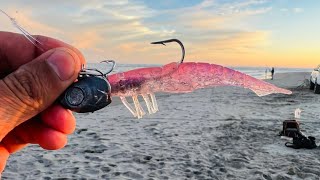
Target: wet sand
[{"x": 218, "y": 133}]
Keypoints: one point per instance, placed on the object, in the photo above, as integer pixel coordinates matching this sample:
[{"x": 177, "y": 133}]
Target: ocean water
[
  {"x": 264, "y": 73},
  {"x": 257, "y": 72}
]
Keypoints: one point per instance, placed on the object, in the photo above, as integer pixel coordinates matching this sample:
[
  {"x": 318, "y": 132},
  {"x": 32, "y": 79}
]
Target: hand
[{"x": 30, "y": 81}]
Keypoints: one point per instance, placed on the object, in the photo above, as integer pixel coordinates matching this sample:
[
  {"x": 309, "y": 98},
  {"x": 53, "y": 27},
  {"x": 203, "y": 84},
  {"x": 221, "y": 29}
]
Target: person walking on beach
[
  {"x": 266, "y": 73},
  {"x": 272, "y": 73}
]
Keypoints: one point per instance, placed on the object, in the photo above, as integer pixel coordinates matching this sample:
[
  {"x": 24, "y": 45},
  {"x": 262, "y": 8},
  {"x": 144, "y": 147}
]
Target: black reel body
[{"x": 88, "y": 94}]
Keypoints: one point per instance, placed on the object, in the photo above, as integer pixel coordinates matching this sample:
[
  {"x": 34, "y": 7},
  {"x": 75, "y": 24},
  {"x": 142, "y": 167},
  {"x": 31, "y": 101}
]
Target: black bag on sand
[
  {"x": 290, "y": 128},
  {"x": 301, "y": 141}
]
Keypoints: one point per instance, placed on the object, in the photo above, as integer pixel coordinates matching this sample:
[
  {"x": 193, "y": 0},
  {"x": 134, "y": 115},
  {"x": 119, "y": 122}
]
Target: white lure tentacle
[
  {"x": 154, "y": 103},
  {"x": 128, "y": 106},
  {"x": 139, "y": 110},
  {"x": 148, "y": 103}
]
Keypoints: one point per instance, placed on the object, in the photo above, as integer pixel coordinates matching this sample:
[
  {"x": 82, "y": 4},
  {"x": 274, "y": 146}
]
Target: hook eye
[
  {"x": 96, "y": 72},
  {"x": 112, "y": 67},
  {"x": 91, "y": 72}
]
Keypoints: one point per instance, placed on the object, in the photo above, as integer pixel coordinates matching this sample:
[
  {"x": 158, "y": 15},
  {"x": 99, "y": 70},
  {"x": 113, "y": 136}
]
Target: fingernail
[{"x": 63, "y": 64}]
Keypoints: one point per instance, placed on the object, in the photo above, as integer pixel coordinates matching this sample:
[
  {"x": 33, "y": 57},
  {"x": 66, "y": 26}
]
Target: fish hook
[
  {"x": 173, "y": 40},
  {"x": 112, "y": 67},
  {"x": 88, "y": 71}
]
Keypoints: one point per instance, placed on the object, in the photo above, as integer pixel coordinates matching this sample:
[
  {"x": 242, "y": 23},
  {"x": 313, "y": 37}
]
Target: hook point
[{"x": 173, "y": 40}]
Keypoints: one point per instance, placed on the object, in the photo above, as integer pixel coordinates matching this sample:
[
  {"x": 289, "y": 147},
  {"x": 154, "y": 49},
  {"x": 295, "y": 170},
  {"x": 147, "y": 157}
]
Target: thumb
[{"x": 35, "y": 86}]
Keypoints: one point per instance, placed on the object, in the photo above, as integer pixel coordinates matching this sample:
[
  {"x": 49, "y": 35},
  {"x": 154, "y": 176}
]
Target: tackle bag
[{"x": 290, "y": 128}]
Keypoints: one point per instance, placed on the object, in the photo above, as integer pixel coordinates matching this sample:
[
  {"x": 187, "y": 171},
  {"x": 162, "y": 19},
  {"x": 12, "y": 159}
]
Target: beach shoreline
[{"x": 215, "y": 133}]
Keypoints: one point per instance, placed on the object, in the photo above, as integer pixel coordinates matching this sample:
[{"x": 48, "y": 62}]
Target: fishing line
[{"x": 26, "y": 34}]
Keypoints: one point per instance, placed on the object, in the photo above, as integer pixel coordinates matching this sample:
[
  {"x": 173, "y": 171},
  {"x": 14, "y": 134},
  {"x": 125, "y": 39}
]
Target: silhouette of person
[{"x": 272, "y": 73}]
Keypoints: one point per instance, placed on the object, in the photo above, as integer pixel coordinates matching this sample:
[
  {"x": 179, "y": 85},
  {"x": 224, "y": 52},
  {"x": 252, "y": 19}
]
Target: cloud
[
  {"x": 123, "y": 29},
  {"x": 293, "y": 10},
  {"x": 86, "y": 39},
  {"x": 24, "y": 18},
  {"x": 231, "y": 45},
  {"x": 297, "y": 10}
]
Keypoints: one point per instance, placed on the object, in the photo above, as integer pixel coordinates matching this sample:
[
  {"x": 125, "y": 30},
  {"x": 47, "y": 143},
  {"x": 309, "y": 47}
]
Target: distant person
[
  {"x": 272, "y": 73},
  {"x": 266, "y": 74}
]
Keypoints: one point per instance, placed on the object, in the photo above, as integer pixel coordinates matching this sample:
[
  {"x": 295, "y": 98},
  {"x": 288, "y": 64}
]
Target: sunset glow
[{"x": 281, "y": 33}]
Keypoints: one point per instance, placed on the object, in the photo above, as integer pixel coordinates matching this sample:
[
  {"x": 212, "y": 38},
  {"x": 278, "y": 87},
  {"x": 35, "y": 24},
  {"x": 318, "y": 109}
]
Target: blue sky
[
  {"x": 226, "y": 32},
  {"x": 170, "y": 4}
]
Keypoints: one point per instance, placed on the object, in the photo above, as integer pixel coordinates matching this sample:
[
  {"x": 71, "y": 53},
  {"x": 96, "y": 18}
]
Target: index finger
[{"x": 16, "y": 50}]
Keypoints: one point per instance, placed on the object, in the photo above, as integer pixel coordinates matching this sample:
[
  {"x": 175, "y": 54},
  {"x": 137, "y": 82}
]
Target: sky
[{"x": 279, "y": 33}]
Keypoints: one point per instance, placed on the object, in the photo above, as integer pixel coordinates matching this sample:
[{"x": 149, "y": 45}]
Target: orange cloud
[
  {"x": 223, "y": 33},
  {"x": 24, "y": 18},
  {"x": 86, "y": 39},
  {"x": 238, "y": 43}
]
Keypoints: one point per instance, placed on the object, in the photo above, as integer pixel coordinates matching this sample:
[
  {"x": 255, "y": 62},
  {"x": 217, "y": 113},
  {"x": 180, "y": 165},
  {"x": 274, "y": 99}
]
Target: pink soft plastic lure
[
  {"x": 173, "y": 78},
  {"x": 180, "y": 78}
]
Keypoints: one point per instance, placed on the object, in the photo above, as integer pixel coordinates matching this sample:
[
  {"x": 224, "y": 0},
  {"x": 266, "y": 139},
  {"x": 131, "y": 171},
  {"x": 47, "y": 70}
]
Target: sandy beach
[{"x": 216, "y": 133}]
